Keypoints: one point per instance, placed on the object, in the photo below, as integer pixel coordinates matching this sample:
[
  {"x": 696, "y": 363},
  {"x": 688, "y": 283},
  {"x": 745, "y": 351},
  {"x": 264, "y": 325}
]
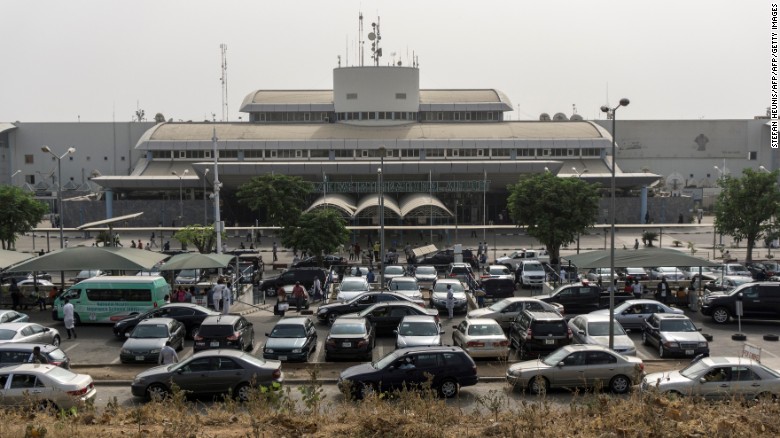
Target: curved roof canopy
[
  {"x": 339, "y": 201},
  {"x": 368, "y": 206},
  {"x": 423, "y": 204}
]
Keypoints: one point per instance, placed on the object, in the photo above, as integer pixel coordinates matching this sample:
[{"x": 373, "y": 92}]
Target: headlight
[
  {"x": 296, "y": 350},
  {"x": 126, "y": 351},
  {"x": 137, "y": 380},
  {"x": 672, "y": 344},
  {"x": 702, "y": 345},
  {"x": 269, "y": 350},
  {"x": 155, "y": 351},
  {"x": 321, "y": 310}
]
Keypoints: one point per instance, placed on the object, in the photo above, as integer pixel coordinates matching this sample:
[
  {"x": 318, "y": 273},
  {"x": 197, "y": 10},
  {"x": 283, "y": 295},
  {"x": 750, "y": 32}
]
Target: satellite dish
[
  {"x": 560, "y": 117},
  {"x": 371, "y": 36}
]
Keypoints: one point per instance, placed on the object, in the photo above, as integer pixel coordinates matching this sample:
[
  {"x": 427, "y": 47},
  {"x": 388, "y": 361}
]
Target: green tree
[
  {"x": 745, "y": 206},
  {"x": 554, "y": 210},
  {"x": 203, "y": 238},
  {"x": 317, "y": 232},
  {"x": 283, "y": 197},
  {"x": 21, "y": 213}
]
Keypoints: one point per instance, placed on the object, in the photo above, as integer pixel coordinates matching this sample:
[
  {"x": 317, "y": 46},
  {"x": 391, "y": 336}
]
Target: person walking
[
  {"x": 317, "y": 289},
  {"x": 281, "y": 301},
  {"x": 217, "y": 294},
  {"x": 69, "y": 319},
  {"x": 662, "y": 292},
  {"x": 227, "y": 299},
  {"x": 37, "y": 357},
  {"x": 298, "y": 293},
  {"x": 637, "y": 289},
  {"x": 273, "y": 250},
  {"x": 168, "y": 355},
  {"x": 152, "y": 242},
  {"x": 450, "y": 301}
]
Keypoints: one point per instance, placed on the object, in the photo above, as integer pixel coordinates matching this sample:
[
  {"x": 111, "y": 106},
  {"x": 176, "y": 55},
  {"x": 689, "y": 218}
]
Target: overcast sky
[{"x": 101, "y": 60}]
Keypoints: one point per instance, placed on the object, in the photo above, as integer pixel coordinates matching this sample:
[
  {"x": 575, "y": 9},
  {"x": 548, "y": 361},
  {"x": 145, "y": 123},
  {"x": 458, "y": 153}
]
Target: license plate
[
  {"x": 215, "y": 343},
  {"x": 346, "y": 344},
  {"x": 141, "y": 358},
  {"x": 549, "y": 341},
  {"x": 282, "y": 357},
  {"x": 689, "y": 352}
]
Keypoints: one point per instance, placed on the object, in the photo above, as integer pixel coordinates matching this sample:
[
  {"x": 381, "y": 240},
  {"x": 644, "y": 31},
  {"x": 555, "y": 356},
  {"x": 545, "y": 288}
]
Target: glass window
[
  {"x": 427, "y": 360},
  {"x": 400, "y": 96},
  {"x": 575, "y": 359},
  {"x": 600, "y": 358}
]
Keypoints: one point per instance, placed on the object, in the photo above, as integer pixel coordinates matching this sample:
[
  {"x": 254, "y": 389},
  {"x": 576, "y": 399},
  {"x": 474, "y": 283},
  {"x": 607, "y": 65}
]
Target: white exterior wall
[{"x": 376, "y": 88}]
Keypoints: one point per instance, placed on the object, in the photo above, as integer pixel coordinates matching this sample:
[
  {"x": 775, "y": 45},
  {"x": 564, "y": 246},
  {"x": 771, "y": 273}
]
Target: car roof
[
  {"x": 448, "y": 280},
  {"x": 339, "y": 321},
  {"x": 481, "y": 321},
  {"x": 429, "y": 349},
  {"x": 293, "y": 320},
  {"x": 543, "y": 314},
  {"x": 727, "y": 360},
  {"x": 30, "y": 367},
  {"x": 589, "y": 317},
  {"x": 361, "y": 279},
  {"x": 221, "y": 319},
  {"x": 16, "y": 325},
  {"x": 523, "y": 299},
  {"x": 187, "y": 305},
  {"x": 26, "y": 345},
  {"x": 670, "y": 316},
  {"x": 220, "y": 352},
  {"x": 419, "y": 318},
  {"x": 585, "y": 347},
  {"x": 155, "y": 321},
  {"x": 403, "y": 278}
]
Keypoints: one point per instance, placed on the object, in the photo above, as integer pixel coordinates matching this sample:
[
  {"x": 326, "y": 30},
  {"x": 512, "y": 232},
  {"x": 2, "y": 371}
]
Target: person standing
[
  {"x": 370, "y": 276},
  {"x": 298, "y": 293},
  {"x": 450, "y": 301},
  {"x": 376, "y": 251},
  {"x": 273, "y": 250},
  {"x": 663, "y": 291},
  {"x": 16, "y": 294},
  {"x": 636, "y": 243},
  {"x": 227, "y": 299},
  {"x": 317, "y": 288},
  {"x": 168, "y": 355},
  {"x": 217, "y": 294},
  {"x": 637, "y": 289},
  {"x": 69, "y": 319}
]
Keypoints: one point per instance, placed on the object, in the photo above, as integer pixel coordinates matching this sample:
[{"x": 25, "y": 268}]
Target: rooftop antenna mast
[
  {"x": 223, "y": 79},
  {"x": 361, "y": 42},
  {"x": 375, "y": 36}
]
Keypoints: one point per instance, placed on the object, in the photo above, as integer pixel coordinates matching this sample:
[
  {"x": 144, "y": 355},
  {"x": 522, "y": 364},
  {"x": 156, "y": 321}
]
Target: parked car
[
  {"x": 418, "y": 331},
  {"x": 305, "y": 276},
  {"x": 442, "y": 259},
  {"x": 350, "y": 287},
  {"x": 225, "y": 331},
  {"x": 30, "y": 282},
  {"x": 13, "y": 316},
  {"x": 48, "y": 387},
  {"x": 210, "y": 372},
  {"x": 583, "y": 297},
  {"x": 191, "y": 315},
  {"x": 674, "y": 334},
  {"x": 506, "y": 310},
  {"x": 717, "y": 378},
  {"x": 29, "y": 332},
  {"x": 392, "y": 271},
  {"x": 386, "y": 316},
  {"x": 498, "y": 271},
  {"x": 350, "y": 338},
  {"x": 356, "y": 271},
  {"x": 439, "y": 295},
  {"x": 594, "y": 329},
  {"x": 530, "y": 273},
  {"x": 604, "y": 274},
  {"x": 291, "y": 339},
  {"x": 669, "y": 272},
  {"x": 577, "y": 366},
  {"x": 725, "y": 283},
  {"x": 19, "y": 352},
  {"x": 329, "y": 312},
  {"x": 631, "y": 274},
  {"x": 692, "y": 272},
  {"x": 327, "y": 261},
  {"x": 189, "y": 276},
  {"x": 85, "y": 274},
  {"x": 733, "y": 269},
  {"x": 448, "y": 368},
  {"x": 461, "y": 271},
  {"x": 481, "y": 338},
  {"x": 407, "y": 286},
  {"x": 426, "y": 275},
  {"x": 759, "y": 300},
  {"x": 149, "y": 337},
  {"x": 497, "y": 288},
  {"x": 538, "y": 332},
  {"x": 632, "y": 314}
]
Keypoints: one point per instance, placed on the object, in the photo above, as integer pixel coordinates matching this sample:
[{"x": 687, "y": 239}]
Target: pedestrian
[
  {"x": 241, "y": 246},
  {"x": 152, "y": 242},
  {"x": 52, "y": 296},
  {"x": 376, "y": 251},
  {"x": 227, "y": 299},
  {"x": 636, "y": 243},
  {"x": 599, "y": 283},
  {"x": 167, "y": 299},
  {"x": 563, "y": 275},
  {"x": 450, "y": 301},
  {"x": 370, "y": 276},
  {"x": 357, "y": 252},
  {"x": 132, "y": 244},
  {"x": 680, "y": 219},
  {"x": 69, "y": 319},
  {"x": 273, "y": 250},
  {"x": 40, "y": 299},
  {"x": 224, "y": 247},
  {"x": 16, "y": 294},
  {"x": 637, "y": 289},
  {"x": 480, "y": 294},
  {"x": 189, "y": 294},
  {"x": 37, "y": 357},
  {"x": 148, "y": 246},
  {"x": 180, "y": 294},
  {"x": 317, "y": 289},
  {"x": 167, "y": 245},
  {"x": 217, "y": 295},
  {"x": 281, "y": 301},
  {"x": 663, "y": 292},
  {"x": 249, "y": 236},
  {"x": 299, "y": 294},
  {"x": 168, "y": 355},
  {"x": 210, "y": 298}
]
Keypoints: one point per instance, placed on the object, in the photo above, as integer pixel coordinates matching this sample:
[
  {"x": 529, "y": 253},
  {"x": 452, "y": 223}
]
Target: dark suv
[
  {"x": 443, "y": 258},
  {"x": 448, "y": 367},
  {"x": 759, "y": 300},
  {"x": 535, "y": 332},
  {"x": 305, "y": 276},
  {"x": 225, "y": 331}
]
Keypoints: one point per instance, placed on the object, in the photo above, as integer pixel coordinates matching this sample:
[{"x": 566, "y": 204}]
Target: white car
[
  {"x": 418, "y": 331},
  {"x": 48, "y": 386},
  {"x": 498, "y": 271},
  {"x": 426, "y": 275},
  {"x": 29, "y": 332},
  {"x": 32, "y": 282},
  {"x": 481, "y": 337},
  {"x": 350, "y": 287},
  {"x": 594, "y": 329},
  {"x": 405, "y": 285},
  {"x": 668, "y": 272}
]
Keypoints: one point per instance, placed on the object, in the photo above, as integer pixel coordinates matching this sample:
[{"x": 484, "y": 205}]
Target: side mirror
[
  {"x": 441, "y": 332},
  {"x": 267, "y": 335},
  {"x": 46, "y": 329},
  {"x": 127, "y": 334},
  {"x": 180, "y": 370},
  {"x": 582, "y": 332},
  {"x": 702, "y": 380},
  {"x": 698, "y": 329},
  {"x": 250, "y": 324},
  {"x": 560, "y": 364}
]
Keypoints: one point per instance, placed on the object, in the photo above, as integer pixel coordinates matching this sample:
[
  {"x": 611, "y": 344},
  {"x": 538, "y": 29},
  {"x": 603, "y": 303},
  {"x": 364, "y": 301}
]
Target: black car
[
  {"x": 443, "y": 258},
  {"x": 759, "y": 300},
  {"x": 327, "y": 261},
  {"x": 497, "y": 288},
  {"x": 305, "y": 276},
  {"x": 329, "y": 312},
  {"x": 225, "y": 331},
  {"x": 191, "y": 315},
  {"x": 291, "y": 339},
  {"x": 350, "y": 338},
  {"x": 16, "y": 353},
  {"x": 535, "y": 332},
  {"x": 449, "y": 369},
  {"x": 674, "y": 335},
  {"x": 387, "y": 315}
]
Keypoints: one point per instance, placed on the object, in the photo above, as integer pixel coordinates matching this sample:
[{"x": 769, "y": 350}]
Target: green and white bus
[{"x": 108, "y": 299}]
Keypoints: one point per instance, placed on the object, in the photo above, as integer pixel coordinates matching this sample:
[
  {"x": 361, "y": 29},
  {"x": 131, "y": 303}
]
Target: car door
[
  {"x": 22, "y": 387},
  {"x": 652, "y": 330},
  {"x": 459, "y": 332},
  {"x": 753, "y": 301},
  {"x": 509, "y": 313},
  {"x": 634, "y": 316},
  {"x": 379, "y": 317},
  {"x": 311, "y": 336},
  {"x": 600, "y": 368},
  {"x": 195, "y": 375},
  {"x": 571, "y": 373},
  {"x": 425, "y": 364},
  {"x": 746, "y": 382},
  {"x": 28, "y": 335},
  {"x": 399, "y": 373},
  {"x": 579, "y": 330},
  {"x": 716, "y": 384}
]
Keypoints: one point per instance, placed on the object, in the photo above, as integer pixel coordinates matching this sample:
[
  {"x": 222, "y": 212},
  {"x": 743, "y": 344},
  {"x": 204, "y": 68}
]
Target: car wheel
[
  {"x": 242, "y": 392},
  {"x": 56, "y": 341},
  {"x": 619, "y": 384},
  {"x": 644, "y": 338},
  {"x": 538, "y": 385},
  {"x": 721, "y": 315},
  {"x": 661, "y": 351},
  {"x": 332, "y": 316},
  {"x": 448, "y": 388},
  {"x": 766, "y": 396},
  {"x": 157, "y": 391},
  {"x": 76, "y": 319},
  {"x": 180, "y": 347}
]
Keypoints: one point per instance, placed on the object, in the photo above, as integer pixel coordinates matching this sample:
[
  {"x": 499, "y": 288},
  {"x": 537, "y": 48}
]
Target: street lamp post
[
  {"x": 19, "y": 171},
  {"x": 381, "y": 217},
  {"x": 611, "y": 111},
  {"x": 205, "y": 199},
  {"x": 181, "y": 194},
  {"x": 59, "y": 158}
]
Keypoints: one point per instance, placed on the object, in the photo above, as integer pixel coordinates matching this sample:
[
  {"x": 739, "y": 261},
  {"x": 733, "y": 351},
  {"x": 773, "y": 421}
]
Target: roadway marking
[
  {"x": 115, "y": 361},
  {"x": 72, "y": 346}
]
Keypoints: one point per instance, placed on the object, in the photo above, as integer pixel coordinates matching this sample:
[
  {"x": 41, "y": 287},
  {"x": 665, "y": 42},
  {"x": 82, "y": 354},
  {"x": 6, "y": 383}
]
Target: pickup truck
[
  {"x": 579, "y": 298},
  {"x": 513, "y": 260}
]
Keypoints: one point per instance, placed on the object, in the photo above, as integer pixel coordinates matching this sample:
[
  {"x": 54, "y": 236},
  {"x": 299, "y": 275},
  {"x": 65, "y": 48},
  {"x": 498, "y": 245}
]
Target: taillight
[
  {"x": 80, "y": 392},
  {"x": 331, "y": 342},
  {"x": 277, "y": 373},
  {"x": 475, "y": 344},
  {"x": 362, "y": 343},
  {"x": 197, "y": 338},
  {"x": 234, "y": 337},
  {"x": 501, "y": 344},
  {"x": 641, "y": 366},
  {"x": 56, "y": 364},
  {"x": 569, "y": 333},
  {"x": 529, "y": 333}
]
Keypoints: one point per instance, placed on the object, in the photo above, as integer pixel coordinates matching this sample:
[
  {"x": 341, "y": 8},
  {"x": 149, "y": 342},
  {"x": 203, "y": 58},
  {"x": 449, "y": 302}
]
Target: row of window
[
  {"x": 30, "y": 158},
  {"x": 259, "y": 154},
  {"x": 426, "y": 116}
]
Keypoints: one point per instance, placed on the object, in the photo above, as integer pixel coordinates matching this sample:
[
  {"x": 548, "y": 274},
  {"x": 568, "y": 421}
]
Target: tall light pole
[
  {"x": 205, "y": 201},
  {"x": 611, "y": 112},
  {"x": 181, "y": 194},
  {"x": 59, "y": 158},
  {"x": 217, "y": 186},
  {"x": 381, "y": 217},
  {"x": 579, "y": 176},
  {"x": 19, "y": 171},
  {"x": 722, "y": 173}
]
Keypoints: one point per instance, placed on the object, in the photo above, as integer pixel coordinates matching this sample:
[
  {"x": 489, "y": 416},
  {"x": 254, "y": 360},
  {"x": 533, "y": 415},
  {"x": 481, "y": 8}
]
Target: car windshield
[
  {"x": 403, "y": 285},
  {"x": 385, "y": 361},
  {"x": 189, "y": 273},
  {"x": 694, "y": 369},
  {"x": 351, "y": 286},
  {"x": 499, "y": 306},
  {"x": 442, "y": 287},
  {"x": 150, "y": 331},
  {"x": 555, "y": 357},
  {"x": 418, "y": 329},
  {"x": 499, "y": 271},
  {"x": 288, "y": 331},
  {"x": 533, "y": 267},
  {"x": 601, "y": 328},
  {"x": 394, "y": 270},
  {"x": 348, "y": 329},
  {"x": 425, "y": 270},
  {"x": 677, "y": 325},
  {"x": 7, "y": 334},
  {"x": 485, "y": 330}
]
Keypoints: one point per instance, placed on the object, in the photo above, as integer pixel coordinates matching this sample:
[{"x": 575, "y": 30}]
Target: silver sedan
[
  {"x": 29, "y": 332},
  {"x": 594, "y": 329},
  {"x": 481, "y": 338},
  {"x": 632, "y": 314}
]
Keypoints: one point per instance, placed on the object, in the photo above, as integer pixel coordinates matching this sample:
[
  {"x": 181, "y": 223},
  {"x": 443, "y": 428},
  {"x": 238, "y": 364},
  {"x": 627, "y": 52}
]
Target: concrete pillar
[
  {"x": 109, "y": 194},
  {"x": 643, "y": 205}
]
